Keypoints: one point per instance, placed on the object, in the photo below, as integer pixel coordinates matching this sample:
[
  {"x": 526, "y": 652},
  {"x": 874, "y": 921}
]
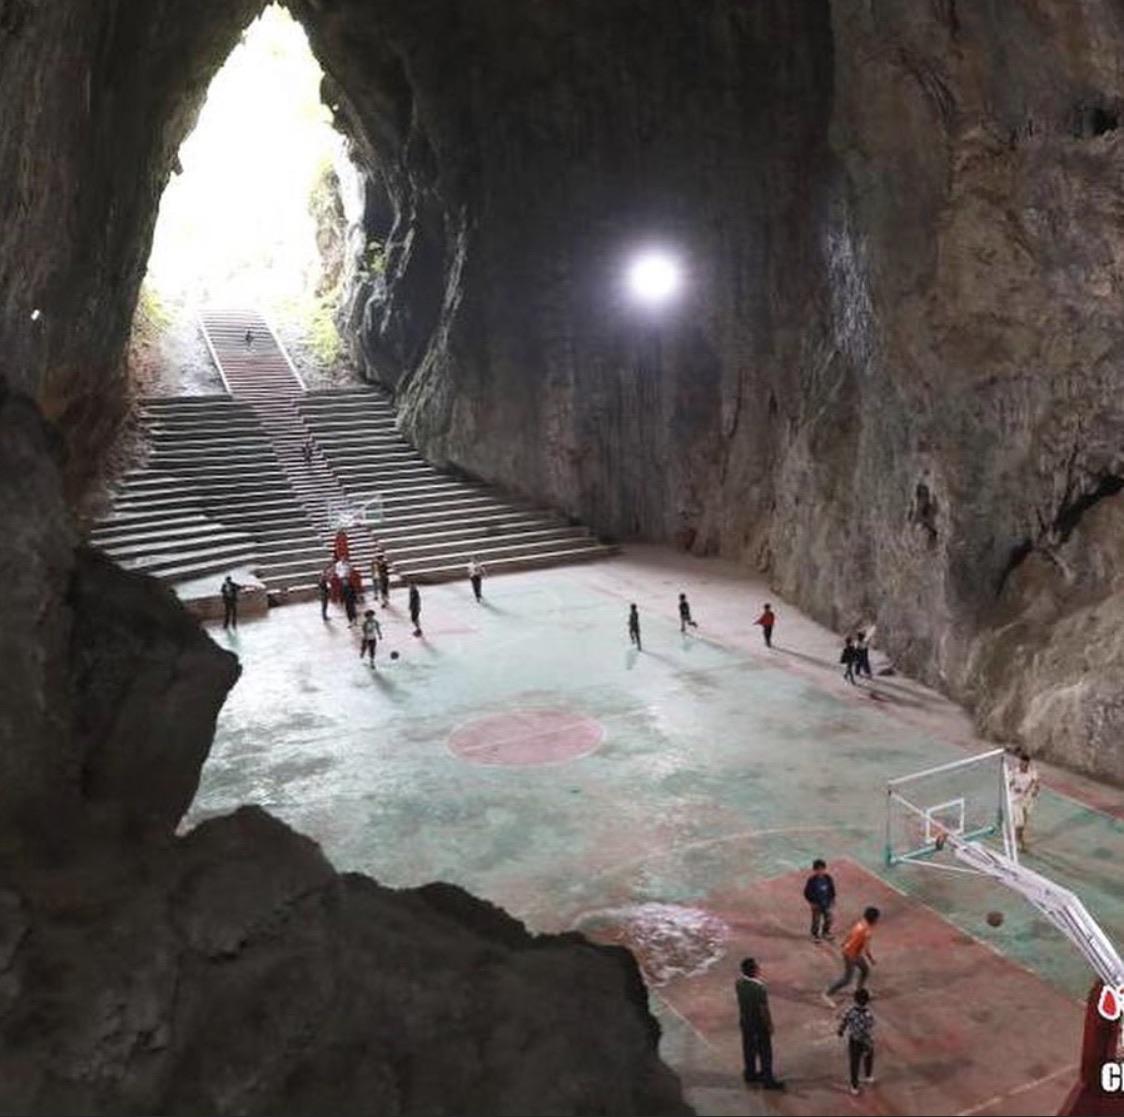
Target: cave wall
[
  {"x": 980, "y": 235},
  {"x": 895, "y": 371},
  {"x": 231, "y": 969},
  {"x": 894, "y": 374},
  {"x": 96, "y": 96}
]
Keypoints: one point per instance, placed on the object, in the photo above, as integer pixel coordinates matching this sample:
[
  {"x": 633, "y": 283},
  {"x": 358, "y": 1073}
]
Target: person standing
[
  {"x": 634, "y": 626},
  {"x": 819, "y": 891},
  {"x": 858, "y": 1024},
  {"x": 862, "y": 656},
  {"x": 347, "y": 589},
  {"x": 324, "y": 586},
  {"x": 383, "y": 569},
  {"x": 756, "y": 1025},
  {"x": 476, "y": 574},
  {"x": 230, "y": 591},
  {"x": 767, "y": 620},
  {"x": 249, "y": 339},
  {"x": 306, "y": 450},
  {"x": 1024, "y": 785},
  {"x": 856, "y": 954},
  {"x": 415, "y": 608},
  {"x": 847, "y": 658},
  {"x": 685, "y": 614},
  {"x": 372, "y": 634}
]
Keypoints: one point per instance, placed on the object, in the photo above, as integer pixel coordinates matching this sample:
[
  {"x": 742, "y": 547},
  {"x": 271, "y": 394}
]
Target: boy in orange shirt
[{"x": 856, "y": 954}]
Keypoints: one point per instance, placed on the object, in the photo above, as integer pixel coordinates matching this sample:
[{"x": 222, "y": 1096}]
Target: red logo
[{"x": 1111, "y": 1004}]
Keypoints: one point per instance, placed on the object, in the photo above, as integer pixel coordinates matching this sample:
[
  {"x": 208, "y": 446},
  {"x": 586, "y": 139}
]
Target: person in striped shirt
[{"x": 858, "y": 1025}]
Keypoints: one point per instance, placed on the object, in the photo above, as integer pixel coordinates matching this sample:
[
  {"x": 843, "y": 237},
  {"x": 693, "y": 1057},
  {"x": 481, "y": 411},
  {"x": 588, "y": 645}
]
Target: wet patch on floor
[{"x": 667, "y": 940}]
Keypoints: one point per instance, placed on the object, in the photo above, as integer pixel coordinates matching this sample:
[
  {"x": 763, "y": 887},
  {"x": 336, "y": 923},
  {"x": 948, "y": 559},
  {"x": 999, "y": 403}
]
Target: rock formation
[
  {"x": 894, "y": 375},
  {"x": 895, "y": 372},
  {"x": 232, "y": 970}
]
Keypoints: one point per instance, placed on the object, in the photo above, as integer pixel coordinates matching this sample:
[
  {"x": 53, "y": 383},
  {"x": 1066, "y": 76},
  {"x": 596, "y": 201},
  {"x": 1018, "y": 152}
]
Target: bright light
[
  {"x": 653, "y": 278},
  {"x": 235, "y": 226}
]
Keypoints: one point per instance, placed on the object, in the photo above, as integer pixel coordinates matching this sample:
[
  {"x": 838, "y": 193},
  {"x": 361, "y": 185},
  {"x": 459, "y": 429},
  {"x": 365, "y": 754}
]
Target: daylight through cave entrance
[{"x": 256, "y": 214}]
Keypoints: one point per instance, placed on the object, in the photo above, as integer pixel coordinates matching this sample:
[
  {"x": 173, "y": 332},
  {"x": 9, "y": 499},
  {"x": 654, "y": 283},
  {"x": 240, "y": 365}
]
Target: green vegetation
[
  {"x": 152, "y": 314},
  {"x": 374, "y": 260}
]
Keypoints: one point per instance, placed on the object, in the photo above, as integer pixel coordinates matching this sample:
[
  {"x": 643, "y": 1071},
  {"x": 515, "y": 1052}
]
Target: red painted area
[
  {"x": 527, "y": 737},
  {"x": 959, "y": 1028}
]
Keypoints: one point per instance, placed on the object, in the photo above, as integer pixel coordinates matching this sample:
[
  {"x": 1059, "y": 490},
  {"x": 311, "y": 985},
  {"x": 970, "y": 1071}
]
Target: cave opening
[{"x": 259, "y": 213}]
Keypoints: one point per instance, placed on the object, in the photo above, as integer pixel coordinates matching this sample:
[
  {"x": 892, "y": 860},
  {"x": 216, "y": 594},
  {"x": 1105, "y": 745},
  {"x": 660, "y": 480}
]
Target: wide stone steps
[
  {"x": 209, "y": 498},
  {"x": 226, "y": 483}
]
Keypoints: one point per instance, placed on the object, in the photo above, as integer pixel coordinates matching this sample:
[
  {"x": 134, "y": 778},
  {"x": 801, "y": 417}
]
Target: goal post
[
  {"x": 964, "y": 809},
  {"x": 966, "y": 799}
]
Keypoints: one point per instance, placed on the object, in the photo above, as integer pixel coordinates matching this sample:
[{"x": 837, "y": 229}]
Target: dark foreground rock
[
  {"x": 234, "y": 971},
  {"x": 231, "y": 970},
  {"x": 895, "y": 370}
]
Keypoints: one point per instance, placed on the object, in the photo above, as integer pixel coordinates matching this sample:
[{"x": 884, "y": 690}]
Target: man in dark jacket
[
  {"x": 756, "y": 1026},
  {"x": 230, "y": 589},
  {"x": 415, "y": 608},
  {"x": 819, "y": 891}
]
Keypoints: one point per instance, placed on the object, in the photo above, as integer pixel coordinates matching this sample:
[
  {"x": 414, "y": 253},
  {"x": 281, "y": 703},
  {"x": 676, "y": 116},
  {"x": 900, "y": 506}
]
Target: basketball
[
  {"x": 995, "y": 918},
  {"x": 393, "y": 655}
]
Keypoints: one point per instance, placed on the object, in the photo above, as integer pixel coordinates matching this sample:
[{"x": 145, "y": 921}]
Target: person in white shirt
[
  {"x": 1023, "y": 785},
  {"x": 372, "y": 634},
  {"x": 476, "y": 574}
]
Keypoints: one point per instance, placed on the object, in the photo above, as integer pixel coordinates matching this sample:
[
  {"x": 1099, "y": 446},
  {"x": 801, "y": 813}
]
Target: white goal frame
[
  {"x": 1058, "y": 904},
  {"x": 938, "y": 827}
]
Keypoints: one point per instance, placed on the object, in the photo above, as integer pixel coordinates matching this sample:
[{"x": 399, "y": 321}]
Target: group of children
[
  {"x": 855, "y": 657},
  {"x": 856, "y": 1023},
  {"x": 370, "y": 629}
]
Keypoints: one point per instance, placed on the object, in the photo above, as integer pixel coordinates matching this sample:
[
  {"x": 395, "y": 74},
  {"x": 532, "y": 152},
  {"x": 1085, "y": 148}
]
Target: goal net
[{"x": 966, "y": 799}]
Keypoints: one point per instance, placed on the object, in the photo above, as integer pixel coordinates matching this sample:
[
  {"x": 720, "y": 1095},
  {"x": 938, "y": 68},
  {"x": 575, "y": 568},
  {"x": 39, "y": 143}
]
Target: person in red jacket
[{"x": 767, "y": 619}]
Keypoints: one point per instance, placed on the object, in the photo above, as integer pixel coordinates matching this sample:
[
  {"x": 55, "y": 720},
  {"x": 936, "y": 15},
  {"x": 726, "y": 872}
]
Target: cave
[{"x": 874, "y": 367}]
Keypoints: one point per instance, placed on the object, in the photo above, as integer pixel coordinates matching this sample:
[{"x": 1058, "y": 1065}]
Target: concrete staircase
[
  {"x": 227, "y": 485},
  {"x": 213, "y": 496},
  {"x": 433, "y": 521}
]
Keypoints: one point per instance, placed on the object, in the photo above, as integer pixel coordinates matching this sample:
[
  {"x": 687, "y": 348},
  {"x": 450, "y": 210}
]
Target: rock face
[
  {"x": 895, "y": 369},
  {"x": 232, "y": 970}
]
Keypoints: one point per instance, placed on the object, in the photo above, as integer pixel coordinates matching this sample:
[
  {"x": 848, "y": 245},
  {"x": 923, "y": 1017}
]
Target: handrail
[
  {"x": 284, "y": 352},
  {"x": 214, "y": 355}
]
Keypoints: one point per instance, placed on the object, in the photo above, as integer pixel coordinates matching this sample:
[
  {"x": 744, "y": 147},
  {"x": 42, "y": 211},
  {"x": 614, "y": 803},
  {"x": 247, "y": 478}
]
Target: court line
[
  {"x": 1071, "y": 1068},
  {"x": 701, "y": 843},
  {"x": 915, "y": 899},
  {"x": 683, "y": 1019},
  {"x": 576, "y": 720}
]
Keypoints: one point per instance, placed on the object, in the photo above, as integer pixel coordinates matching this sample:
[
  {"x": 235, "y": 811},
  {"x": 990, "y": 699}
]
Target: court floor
[{"x": 672, "y": 799}]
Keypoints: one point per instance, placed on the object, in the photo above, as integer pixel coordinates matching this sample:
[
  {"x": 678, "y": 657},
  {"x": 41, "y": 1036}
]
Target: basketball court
[{"x": 673, "y": 799}]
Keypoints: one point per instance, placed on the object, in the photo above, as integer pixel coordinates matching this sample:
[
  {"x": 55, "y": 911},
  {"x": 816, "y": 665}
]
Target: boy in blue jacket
[{"x": 819, "y": 891}]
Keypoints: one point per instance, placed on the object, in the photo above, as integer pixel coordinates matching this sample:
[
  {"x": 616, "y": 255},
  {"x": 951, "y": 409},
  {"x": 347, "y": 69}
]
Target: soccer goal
[{"x": 966, "y": 799}]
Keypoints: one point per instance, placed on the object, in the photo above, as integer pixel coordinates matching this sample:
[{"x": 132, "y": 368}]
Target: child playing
[
  {"x": 858, "y": 1023},
  {"x": 819, "y": 891},
  {"x": 634, "y": 626},
  {"x": 685, "y": 614},
  {"x": 372, "y": 634},
  {"x": 847, "y": 658}
]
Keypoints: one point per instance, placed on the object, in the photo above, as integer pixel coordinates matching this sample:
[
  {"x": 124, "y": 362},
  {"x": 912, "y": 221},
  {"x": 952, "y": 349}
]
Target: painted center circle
[{"x": 526, "y": 737}]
